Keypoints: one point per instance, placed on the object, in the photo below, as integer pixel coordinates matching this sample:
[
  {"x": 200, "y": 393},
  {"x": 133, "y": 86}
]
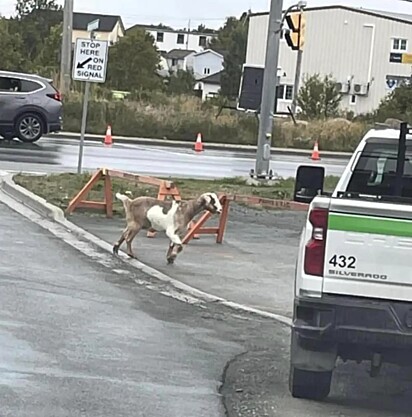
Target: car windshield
[{"x": 375, "y": 170}]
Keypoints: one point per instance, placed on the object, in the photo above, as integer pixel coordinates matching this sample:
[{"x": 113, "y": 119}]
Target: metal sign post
[{"x": 89, "y": 65}]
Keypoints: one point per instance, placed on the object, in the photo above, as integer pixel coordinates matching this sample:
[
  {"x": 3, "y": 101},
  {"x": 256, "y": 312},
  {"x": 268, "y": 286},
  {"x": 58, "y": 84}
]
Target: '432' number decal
[{"x": 342, "y": 261}]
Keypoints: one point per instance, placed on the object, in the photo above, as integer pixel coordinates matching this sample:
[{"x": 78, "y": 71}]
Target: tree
[
  {"x": 11, "y": 46},
  {"x": 232, "y": 40},
  {"x": 48, "y": 60},
  {"x": 181, "y": 82},
  {"x": 203, "y": 29},
  {"x": 319, "y": 97},
  {"x": 28, "y": 7},
  {"x": 133, "y": 63},
  {"x": 34, "y": 19},
  {"x": 398, "y": 104}
]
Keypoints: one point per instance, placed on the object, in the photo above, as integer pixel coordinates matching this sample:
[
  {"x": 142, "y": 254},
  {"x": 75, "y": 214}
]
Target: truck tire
[{"x": 310, "y": 385}]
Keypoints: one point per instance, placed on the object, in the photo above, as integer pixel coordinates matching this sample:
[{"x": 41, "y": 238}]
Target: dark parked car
[{"x": 30, "y": 106}]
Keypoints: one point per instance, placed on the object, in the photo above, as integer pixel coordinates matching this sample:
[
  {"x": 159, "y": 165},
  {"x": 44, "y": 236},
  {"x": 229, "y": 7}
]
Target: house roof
[
  {"x": 397, "y": 17},
  {"x": 212, "y": 79},
  {"x": 107, "y": 22},
  {"x": 210, "y": 51},
  {"x": 179, "y": 53},
  {"x": 170, "y": 30}
]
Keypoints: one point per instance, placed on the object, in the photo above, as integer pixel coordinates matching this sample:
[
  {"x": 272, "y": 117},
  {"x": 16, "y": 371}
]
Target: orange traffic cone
[
  {"x": 315, "y": 152},
  {"x": 108, "y": 140},
  {"x": 199, "y": 144}
]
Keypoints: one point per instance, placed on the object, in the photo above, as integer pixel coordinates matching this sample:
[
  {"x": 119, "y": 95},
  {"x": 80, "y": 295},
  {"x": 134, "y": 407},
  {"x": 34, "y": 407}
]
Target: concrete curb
[
  {"x": 55, "y": 214},
  {"x": 249, "y": 149}
]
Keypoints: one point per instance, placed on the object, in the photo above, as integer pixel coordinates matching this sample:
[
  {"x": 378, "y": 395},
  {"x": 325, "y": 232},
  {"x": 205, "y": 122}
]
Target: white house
[
  {"x": 205, "y": 63},
  {"x": 360, "y": 48},
  {"x": 167, "y": 39},
  {"x": 179, "y": 59},
  {"x": 209, "y": 86}
]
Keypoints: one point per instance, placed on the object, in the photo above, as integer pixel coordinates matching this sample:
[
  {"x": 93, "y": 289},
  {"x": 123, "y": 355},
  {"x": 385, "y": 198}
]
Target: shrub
[{"x": 157, "y": 115}]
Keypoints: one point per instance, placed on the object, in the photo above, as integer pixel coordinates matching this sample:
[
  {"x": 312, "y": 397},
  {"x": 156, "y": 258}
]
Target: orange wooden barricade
[
  {"x": 166, "y": 188},
  {"x": 218, "y": 231}
]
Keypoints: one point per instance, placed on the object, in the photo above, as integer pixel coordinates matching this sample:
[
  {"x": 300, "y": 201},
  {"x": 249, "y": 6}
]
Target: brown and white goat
[{"x": 172, "y": 217}]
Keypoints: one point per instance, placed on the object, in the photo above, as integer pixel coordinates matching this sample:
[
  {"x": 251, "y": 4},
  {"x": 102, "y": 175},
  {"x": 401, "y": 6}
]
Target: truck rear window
[{"x": 375, "y": 170}]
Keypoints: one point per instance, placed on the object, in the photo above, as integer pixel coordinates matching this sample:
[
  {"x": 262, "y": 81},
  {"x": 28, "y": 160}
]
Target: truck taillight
[{"x": 315, "y": 248}]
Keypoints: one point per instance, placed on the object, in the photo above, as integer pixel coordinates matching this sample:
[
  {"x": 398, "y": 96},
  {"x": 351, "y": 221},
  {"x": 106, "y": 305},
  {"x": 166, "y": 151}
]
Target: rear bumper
[
  {"x": 54, "y": 127},
  {"x": 356, "y": 321}
]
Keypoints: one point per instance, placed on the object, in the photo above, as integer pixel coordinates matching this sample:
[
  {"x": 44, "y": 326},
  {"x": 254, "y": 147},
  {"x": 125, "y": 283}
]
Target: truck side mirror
[{"x": 309, "y": 183}]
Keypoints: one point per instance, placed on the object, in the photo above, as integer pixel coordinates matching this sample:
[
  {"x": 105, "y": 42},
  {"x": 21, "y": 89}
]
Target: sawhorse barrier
[{"x": 167, "y": 189}]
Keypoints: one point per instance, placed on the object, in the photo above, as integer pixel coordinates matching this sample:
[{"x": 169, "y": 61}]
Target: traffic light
[{"x": 297, "y": 25}]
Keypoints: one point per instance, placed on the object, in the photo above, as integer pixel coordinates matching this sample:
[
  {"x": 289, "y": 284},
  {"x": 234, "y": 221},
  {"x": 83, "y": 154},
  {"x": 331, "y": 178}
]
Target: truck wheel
[{"x": 309, "y": 384}]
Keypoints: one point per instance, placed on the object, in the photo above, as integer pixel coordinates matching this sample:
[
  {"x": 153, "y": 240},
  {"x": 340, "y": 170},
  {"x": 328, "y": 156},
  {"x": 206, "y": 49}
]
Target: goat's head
[{"x": 211, "y": 202}]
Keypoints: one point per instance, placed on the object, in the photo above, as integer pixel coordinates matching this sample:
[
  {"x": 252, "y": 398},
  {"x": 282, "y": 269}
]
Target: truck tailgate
[{"x": 369, "y": 250}]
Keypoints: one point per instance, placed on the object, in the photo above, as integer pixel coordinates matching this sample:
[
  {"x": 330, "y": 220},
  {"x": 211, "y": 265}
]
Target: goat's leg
[
  {"x": 169, "y": 251},
  {"x": 129, "y": 239},
  {"x": 117, "y": 245},
  {"x": 175, "y": 242}
]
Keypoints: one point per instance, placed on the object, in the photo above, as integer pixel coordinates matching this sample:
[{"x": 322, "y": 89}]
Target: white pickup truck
[{"x": 353, "y": 282}]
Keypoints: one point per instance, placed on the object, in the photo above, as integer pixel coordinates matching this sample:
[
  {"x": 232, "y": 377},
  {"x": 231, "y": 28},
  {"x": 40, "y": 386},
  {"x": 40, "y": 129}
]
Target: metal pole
[
  {"x": 297, "y": 80},
  {"x": 66, "y": 51},
  {"x": 269, "y": 90},
  {"x": 83, "y": 129}
]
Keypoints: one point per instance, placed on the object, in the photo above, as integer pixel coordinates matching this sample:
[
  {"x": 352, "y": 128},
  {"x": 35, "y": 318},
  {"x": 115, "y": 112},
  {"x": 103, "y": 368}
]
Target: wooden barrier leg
[
  {"x": 190, "y": 226},
  {"x": 84, "y": 191},
  {"x": 193, "y": 231},
  {"x": 223, "y": 221},
  {"x": 108, "y": 196}
]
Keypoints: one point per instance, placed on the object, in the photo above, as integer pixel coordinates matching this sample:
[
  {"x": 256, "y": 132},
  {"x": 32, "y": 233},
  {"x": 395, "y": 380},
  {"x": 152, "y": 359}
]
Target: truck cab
[{"x": 353, "y": 278}]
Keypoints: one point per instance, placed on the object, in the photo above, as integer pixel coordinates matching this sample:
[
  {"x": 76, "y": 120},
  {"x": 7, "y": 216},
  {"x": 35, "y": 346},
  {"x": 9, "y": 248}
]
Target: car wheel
[
  {"x": 309, "y": 384},
  {"x": 29, "y": 128}
]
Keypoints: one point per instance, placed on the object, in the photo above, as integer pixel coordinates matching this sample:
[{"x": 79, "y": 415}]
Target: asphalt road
[
  {"x": 61, "y": 155},
  {"x": 81, "y": 339}
]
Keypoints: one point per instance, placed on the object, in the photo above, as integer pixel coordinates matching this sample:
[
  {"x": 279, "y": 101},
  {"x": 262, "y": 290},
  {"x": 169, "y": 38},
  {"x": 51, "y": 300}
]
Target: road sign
[
  {"x": 90, "y": 60},
  {"x": 94, "y": 25}
]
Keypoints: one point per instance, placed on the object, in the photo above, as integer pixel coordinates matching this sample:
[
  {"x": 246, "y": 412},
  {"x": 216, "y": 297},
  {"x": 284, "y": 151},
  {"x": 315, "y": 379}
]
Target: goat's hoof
[
  {"x": 171, "y": 260},
  {"x": 115, "y": 250}
]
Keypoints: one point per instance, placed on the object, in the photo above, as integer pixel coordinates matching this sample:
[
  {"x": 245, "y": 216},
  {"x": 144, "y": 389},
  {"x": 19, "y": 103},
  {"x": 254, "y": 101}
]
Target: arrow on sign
[{"x": 82, "y": 64}]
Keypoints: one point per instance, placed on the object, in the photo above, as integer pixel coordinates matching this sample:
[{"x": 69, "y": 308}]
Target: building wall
[
  {"x": 349, "y": 45},
  {"x": 206, "y": 64},
  {"x": 170, "y": 40}
]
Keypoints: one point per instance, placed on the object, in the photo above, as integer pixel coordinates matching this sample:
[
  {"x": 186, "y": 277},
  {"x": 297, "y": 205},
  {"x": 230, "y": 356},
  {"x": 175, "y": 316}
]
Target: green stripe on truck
[{"x": 373, "y": 225}]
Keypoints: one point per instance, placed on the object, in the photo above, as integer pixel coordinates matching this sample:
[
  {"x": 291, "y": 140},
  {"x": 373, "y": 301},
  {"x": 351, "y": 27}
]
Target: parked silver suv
[{"x": 30, "y": 106}]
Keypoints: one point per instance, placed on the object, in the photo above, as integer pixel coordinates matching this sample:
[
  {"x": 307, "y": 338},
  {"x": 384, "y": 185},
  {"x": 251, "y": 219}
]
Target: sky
[{"x": 212, "y": 13}]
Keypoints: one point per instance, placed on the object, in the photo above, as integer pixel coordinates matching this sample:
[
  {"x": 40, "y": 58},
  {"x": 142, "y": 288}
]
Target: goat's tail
[{"x": 124, "y": 199}]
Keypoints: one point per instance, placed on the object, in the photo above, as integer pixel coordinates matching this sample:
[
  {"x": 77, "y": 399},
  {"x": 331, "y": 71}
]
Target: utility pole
[
  {"x": 188, "y": 34},
  {"x": 267, "y": 106},
  {"x": 66, "y": 51},
  {"x": 297, "y": 80}
]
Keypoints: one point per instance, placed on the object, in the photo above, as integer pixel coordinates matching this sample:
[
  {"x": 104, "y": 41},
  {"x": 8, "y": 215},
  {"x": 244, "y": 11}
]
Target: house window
[
  {"x": 202, "y": 41},
  {"x": 353, "y": 99},
  {"x": 174, "y": 62},
  {"x": 284, "y": 92},
  {"x": 399, "y": 44},
  {"x": 180, "y": 39},
  {"x": 206, "y": 71},
  {"x": 289, "y": 92},
  {"x": 160, "y": 37}
]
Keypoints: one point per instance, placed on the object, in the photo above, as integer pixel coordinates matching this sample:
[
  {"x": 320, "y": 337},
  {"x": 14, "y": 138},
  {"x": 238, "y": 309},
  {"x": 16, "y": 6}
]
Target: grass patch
[{"x": 59, "y": 189}]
